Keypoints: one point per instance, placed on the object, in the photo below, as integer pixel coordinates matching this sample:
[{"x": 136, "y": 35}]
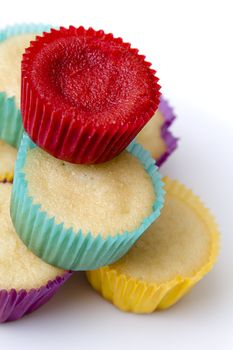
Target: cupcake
[
  {"x": 167, "y": 261},
  {"x": 26, "y": 282},
  {"x": 85, "y": 94},
  {"x": 156, "y": 137},
  {"x": 13, "y": 41},
  {"x": 78, "y": 216},
  {"x": 7, "y": 160}
]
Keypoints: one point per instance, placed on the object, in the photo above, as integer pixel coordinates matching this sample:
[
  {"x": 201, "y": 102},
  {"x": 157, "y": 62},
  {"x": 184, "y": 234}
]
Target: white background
[{"x": 190, "y": 45}]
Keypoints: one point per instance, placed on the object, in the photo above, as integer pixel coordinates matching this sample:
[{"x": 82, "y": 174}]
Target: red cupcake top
[
  {"x": 85, "y": 94},
  {"x": 91, "y": 77}
]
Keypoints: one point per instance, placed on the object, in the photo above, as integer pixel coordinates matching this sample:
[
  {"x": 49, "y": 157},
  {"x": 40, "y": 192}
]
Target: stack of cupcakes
[{"x": 85, "y": 195}]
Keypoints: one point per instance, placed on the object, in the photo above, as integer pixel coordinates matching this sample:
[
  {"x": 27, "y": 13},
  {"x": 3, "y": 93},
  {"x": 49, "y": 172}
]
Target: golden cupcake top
[
  {"x": 11, "y": 51},
  {"x": 19, "y": 268},
  {"x": 167, "y": 261},
  {"x": 150, "y": 136},
  {"x": 107, "y": 198},
  {"x": 177, "y": 245}
]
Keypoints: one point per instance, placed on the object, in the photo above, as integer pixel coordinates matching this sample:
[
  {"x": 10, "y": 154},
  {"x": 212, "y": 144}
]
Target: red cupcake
[{"x": 85, "y": 94}]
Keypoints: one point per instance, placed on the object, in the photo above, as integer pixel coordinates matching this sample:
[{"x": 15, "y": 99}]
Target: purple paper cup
[
  {"x": 15, "y": 304},
  {"x": 171, "y": 142}
]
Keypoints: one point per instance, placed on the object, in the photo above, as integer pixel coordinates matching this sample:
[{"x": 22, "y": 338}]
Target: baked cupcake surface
[
  {"x": 106, "y": 199},
  {"x": 11, "y": 51},
  {"x": 85, "y": 94},
  {"x": 177, "y": 244},
  {"x": 26, "y": 282},
  {"x": 150, "y": 136},
  {"x": 19, "y": 268},
  {"x": 156, "y": 136},
  {"x": 172, "y": 255},
  {"x": 83, "y": 217},
  {"x": 13, "y": 42},
  {"x": 8, "y": 156}
]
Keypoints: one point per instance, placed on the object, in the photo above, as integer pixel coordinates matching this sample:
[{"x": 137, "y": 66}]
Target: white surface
[{"x": 189, "y": 44}]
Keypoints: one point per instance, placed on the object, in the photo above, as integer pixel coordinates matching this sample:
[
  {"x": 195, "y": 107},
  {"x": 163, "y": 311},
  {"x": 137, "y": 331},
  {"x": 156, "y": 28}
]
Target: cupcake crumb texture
[
  {"x": 177, "y": 244},
  {"x": 11, "y": 51},
  {"x": 107, "y": 198},
  {"x": 19, "y": 268}
]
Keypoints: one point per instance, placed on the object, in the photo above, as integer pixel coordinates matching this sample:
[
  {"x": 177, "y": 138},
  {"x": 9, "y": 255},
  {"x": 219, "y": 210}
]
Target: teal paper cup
[
  {"x": 11, "y": 128},
  {"x": 66, "y": 248}
]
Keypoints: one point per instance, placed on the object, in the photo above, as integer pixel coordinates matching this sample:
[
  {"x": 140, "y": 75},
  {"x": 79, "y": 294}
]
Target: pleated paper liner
[
  {"x": 63, "y": 247},
  {"x": 7, "y": 159},
  {"x": 16, "y": 304},
  {"x": 170, "y": 141},
  {"x": 11, "y": 128},
  {"x": 85, "y": 134},
  {"x": 131, "y": 294}
]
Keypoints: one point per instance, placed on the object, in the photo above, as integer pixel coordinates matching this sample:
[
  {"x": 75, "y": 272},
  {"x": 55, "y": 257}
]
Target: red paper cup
[{"x": 85, "y": 94}]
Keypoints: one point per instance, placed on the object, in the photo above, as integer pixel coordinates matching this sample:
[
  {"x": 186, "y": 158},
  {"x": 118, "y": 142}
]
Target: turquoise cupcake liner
[
  {"x": 11, "y": 128},
  {"x": 66, "y": 248}
]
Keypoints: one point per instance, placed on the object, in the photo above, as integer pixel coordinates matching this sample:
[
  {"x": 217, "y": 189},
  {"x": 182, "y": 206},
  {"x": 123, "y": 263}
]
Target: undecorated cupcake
[
  {"x": 13, "y": 41},
  {"x": 156, "y": 136},
  {"x": 79, "y": 216},
  {"x": 85, "y": 94},
  {"x": 167, "y": 261},
  {"x": 8, "y": 156},
  {"x": 26, "y": 282}
]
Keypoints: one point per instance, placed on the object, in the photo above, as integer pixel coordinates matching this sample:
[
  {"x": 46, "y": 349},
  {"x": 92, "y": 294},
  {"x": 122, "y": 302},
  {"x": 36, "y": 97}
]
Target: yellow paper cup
[{"x": 139, "y": 296}]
